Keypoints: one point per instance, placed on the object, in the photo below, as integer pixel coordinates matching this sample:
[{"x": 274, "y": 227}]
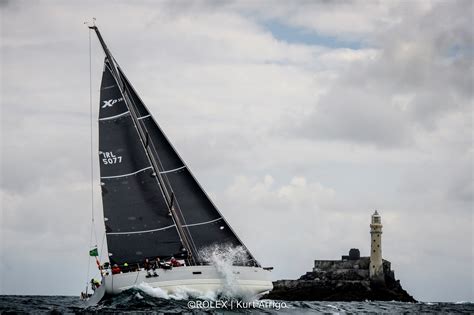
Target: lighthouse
[{"x": 376, "y": 267}]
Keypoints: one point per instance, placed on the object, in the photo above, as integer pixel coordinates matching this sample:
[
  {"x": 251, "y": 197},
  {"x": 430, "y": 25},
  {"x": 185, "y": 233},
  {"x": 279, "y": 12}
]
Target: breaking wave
[
  {"x": 181, "y": 293},
  {"x": 222, "y": 257}
]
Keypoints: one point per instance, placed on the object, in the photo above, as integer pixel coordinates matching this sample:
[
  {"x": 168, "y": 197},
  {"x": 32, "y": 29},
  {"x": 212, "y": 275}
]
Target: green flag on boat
[{"x": 94, "y": 252}]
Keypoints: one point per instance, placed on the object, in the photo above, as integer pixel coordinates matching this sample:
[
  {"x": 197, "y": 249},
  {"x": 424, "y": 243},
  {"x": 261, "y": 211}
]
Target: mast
[{"x": 144, "y": 138}]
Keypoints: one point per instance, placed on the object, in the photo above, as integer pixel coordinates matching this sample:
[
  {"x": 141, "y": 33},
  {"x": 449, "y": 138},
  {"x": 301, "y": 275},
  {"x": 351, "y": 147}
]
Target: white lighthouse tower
[{"x": 376, "y": 267}]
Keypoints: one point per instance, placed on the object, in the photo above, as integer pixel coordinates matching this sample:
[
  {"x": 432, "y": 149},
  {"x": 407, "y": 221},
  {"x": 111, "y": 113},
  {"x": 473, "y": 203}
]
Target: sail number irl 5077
[{"x": 110, "y": 158}]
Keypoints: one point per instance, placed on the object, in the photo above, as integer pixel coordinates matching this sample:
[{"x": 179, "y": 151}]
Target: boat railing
[{"x": 106, "y": 268}]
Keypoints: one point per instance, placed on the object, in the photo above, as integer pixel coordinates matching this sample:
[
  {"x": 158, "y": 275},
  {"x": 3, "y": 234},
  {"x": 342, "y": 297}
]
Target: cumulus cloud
[{"x": 422, "y": 72}]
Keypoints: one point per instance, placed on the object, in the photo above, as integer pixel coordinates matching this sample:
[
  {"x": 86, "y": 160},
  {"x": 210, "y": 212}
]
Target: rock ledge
[{"x": 341, "y": 280}]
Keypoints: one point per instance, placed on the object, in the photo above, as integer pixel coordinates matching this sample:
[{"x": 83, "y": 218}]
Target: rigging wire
[
  {"x": 91, "y": 136},
  {"x": 90, "y": 104},
  {"x": 93, "y": 232}
]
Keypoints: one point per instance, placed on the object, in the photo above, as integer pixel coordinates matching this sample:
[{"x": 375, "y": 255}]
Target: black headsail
[
  {"x": 201, "y": 218},
  {"x": 180, "y": 210}
]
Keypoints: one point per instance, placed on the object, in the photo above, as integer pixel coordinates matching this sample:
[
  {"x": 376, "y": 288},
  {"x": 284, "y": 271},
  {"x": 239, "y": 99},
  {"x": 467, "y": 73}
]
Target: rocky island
[{"x": 353, "y": 278}]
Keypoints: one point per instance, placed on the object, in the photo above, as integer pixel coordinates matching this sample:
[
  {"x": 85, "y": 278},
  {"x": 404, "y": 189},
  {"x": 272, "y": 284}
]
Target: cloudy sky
[{"x": 298, "y": 117}]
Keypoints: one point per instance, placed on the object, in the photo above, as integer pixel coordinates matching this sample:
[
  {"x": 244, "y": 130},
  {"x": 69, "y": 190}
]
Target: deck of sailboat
[{"x": 245, "y": 279}]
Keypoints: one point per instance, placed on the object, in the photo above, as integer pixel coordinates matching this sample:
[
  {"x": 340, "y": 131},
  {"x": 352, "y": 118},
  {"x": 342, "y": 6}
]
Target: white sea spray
[
  {"x": 223, "y": 257},
  {"x": 180, "y": 293},
  {"x": 139, "y": 296},
  {"x": 154, "y": 292}
]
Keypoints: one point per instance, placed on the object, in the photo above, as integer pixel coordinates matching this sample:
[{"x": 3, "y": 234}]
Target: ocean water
[
  {"x": 144, "y": 299},
  {"x": 137, "y": 301}
]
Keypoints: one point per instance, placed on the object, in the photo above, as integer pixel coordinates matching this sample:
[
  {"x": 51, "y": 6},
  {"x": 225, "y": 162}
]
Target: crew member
[
  {"x": 116, "y": 269},
  {"x": 174, "y": 262},
  {"x": 147, "y": 266},
  {"x": 95, "y": 284},
  {"x": 158, "y": 262}
]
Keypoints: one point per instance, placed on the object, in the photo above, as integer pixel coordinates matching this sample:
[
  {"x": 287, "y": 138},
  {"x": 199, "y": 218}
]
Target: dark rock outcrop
[{"x": 344, "y": 280}]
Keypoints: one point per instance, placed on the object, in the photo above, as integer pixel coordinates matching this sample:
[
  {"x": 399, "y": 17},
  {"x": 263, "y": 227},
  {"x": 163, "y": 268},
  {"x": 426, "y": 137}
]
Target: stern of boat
[{"x": 97, "y": 296}]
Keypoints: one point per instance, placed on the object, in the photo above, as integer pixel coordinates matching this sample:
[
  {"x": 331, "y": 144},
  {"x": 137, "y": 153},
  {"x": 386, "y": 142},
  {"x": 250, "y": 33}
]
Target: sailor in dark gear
[
  {"x": 154, "y": 266},
  {"x": 158, "y": 263},
  {"x": 147, "y": 266}
]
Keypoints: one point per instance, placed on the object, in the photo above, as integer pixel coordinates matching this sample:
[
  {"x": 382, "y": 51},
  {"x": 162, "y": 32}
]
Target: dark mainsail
[
  {"x": 153, "y": 205},
  {"x": 137, "y": 220}
]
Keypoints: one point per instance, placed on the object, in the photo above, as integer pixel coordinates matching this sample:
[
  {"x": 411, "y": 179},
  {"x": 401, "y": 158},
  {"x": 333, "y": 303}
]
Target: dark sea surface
[{"x": 135, "y": 302}]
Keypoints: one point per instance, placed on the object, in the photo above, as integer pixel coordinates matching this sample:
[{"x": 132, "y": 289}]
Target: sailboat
[{"x": 153, "y": 205}]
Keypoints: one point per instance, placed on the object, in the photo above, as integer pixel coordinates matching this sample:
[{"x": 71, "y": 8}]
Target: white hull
[{"x": 245, "y": 280}]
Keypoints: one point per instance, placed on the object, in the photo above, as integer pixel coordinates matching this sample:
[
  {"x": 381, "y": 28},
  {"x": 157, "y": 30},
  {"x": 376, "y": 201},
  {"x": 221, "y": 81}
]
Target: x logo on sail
[{"x": 111, "y": 102}]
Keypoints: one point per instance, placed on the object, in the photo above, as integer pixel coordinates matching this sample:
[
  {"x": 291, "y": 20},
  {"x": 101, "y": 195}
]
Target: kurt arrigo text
[{"x": 236, "y": 304}]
